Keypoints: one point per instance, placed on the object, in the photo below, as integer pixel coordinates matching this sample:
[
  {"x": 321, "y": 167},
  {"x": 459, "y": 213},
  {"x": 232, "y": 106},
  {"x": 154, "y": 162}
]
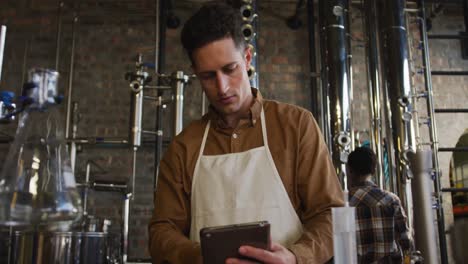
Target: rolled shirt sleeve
[
  {"x": 170, "y": 225},
  {"x": 319, "y": 190}
]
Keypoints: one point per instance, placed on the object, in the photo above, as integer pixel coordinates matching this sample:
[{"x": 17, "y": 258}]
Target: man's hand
[{"x": 277, "y": 255}]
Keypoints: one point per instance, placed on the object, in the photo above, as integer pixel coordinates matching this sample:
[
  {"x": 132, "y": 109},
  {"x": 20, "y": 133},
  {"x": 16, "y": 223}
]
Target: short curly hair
[
  {"x": 213, "y": 21},
  {"x": 362, "y": 161}
]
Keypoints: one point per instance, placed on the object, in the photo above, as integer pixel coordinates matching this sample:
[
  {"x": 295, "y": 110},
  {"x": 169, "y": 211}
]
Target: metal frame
[{"x": 433, "y": 132}]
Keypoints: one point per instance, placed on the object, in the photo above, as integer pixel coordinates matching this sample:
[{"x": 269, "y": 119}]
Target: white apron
[{"x": 242, "y": 187}]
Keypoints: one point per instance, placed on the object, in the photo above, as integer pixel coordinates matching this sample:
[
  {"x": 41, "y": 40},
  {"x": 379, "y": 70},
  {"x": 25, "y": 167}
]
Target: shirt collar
[
  {"x": 365, "y": 183},
  {"x": 254, "y": 112}
]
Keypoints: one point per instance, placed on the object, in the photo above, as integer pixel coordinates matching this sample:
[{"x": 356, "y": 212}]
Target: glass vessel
[{"x": 37, "y": 185}]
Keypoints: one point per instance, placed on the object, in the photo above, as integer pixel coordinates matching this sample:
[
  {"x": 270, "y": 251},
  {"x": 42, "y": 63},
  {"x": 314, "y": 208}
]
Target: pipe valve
[
  {"x": 403, "y": 101},
  {"x": 407, "y": 116},
  {"x": 343, "y": 139},
  {"x": 248, "y": 32},
  {"x": 338, "y": 10},
  {"x": 137, "y": 80},
  {"x": 247, "y": 13}
]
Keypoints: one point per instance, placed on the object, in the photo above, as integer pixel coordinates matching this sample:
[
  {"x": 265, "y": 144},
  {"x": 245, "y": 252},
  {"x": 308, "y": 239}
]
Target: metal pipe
[
  {"x": 87, "y": 184},
  {"x": 70, "y": 79},
  {"x": 117, "y": 186},
  {"x": 465, "y": 13},
  {"x": 333, "y": 16},
  {"x": 160, "y": 61},
  {"x": 457, "y": 149},
  {"x": 156, "y": 42},
  {"x": 74, "y": 134},
  {"x": 179, "y": 81},
  {"x": 25, "y": 59},
  {"x": 451, "y": 110},
  {"x": 134, "y": 161},
  {"x": 444, "y": 36},
  {"x": 59, "y": 34},
  {"x": 396, "y": 65},
  {"x": 352, "y": 134},
  {"x": 159, "y": 139},
  {"x": 324, "y": 102},
  {"x": 137, "y": 87},
  {"x": 148, "y": 97},
  {"x": 110, "y": 186},
  {"x": 451, "y": 73},
  {"x": 98, "y": 141},
  {"x": 389, "y": 148},
  {"x": 425, "y": 233},
  {"x": 396, "y": 58},
  {"x": 433, "y": 134},
  {"x": 162, "y": 87},
  {"x": 413, "y": 93},
  {"x": 126, "y": 217},
  {"x": 463, "y": 189},
  {"x": 314, "y": 106},
  {"x": 374, "y": 96},
  {"x": 86, "y": 188},
  {"x": 10, "y": 245},
  {"x": 136, "y": 117},
  {"x": 150, "y": 132},
  {"x": 2, "y": 47},
  {"x": 388, "y": 159},
  {"x": 106, "y": 187},
  {"x": 3, "y": 112}
]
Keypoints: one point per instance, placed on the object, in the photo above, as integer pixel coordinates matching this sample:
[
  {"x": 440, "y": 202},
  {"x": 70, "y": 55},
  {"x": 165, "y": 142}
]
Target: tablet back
[{"x": 220, "y": 243}]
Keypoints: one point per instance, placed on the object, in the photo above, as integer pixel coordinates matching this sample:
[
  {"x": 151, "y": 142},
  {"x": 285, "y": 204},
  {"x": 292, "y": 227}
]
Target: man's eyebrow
[
  {"x": 223, "y": 67},
  {"x": 205, "y": 72}
]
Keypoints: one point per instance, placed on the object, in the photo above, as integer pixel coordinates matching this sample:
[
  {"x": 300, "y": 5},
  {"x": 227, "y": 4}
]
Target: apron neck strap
[
  {"x": 205, "y": 135},
  {"x": 264, "y": 133}
]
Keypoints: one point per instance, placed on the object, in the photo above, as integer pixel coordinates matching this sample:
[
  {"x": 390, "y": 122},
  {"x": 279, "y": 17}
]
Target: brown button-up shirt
[{"x": 301, "y": 158}]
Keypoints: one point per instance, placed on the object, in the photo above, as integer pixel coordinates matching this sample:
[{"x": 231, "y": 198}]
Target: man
[
  {"x": 381, "y": 220},
  {"x": 248, "y": 159}
]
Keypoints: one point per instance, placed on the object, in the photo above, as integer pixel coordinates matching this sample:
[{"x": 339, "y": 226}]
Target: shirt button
[{"x": 234, "y": 135}]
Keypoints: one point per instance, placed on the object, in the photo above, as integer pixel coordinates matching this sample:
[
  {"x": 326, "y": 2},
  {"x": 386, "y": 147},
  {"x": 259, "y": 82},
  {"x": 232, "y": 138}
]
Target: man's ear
[{"x": 248, "y": 56}]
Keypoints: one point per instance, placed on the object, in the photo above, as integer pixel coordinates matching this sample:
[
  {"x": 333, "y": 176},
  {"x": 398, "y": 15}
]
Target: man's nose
[{"x": 221, "y": 83}]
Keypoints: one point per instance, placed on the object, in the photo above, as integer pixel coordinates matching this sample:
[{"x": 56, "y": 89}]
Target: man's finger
[
  {"x": 276, "y": 247},
  {"x": 240, "y": 261},
  {"x": 257, "y": 253}
]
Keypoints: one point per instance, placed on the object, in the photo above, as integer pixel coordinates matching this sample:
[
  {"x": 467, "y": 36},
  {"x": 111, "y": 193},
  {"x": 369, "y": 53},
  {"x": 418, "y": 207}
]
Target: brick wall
[{"x": 111, "y": 33}]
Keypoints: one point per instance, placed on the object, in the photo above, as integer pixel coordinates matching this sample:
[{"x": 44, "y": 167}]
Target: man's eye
[{"x": 230, "y": 68}]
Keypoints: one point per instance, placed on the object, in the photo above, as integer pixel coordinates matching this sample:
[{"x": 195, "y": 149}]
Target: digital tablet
[{"x": 222, "y": 242}]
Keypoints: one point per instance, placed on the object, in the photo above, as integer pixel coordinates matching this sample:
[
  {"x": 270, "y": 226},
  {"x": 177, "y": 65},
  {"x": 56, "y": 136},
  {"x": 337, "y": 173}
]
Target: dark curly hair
[
  {"x": 362, "y": 161},
  {"x": 213, "y": 21}
]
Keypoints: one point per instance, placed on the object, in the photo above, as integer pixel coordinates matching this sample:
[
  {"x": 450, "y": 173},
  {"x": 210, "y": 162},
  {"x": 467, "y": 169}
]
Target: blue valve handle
[
  {"x": 7, "y": 98},
  {"x": 149, "y": 65}
]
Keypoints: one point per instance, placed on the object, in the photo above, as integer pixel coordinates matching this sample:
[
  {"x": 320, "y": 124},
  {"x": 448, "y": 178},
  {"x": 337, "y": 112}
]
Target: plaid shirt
[{"x": 381, "y": 223}]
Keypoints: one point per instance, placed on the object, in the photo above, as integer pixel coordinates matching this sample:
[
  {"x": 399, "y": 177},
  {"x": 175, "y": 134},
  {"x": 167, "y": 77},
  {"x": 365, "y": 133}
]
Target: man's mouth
[{"x": 226, "y": 99}]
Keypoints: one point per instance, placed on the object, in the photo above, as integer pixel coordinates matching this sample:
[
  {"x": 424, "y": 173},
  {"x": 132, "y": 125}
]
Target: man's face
[{"x": 222, "y": 71}]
